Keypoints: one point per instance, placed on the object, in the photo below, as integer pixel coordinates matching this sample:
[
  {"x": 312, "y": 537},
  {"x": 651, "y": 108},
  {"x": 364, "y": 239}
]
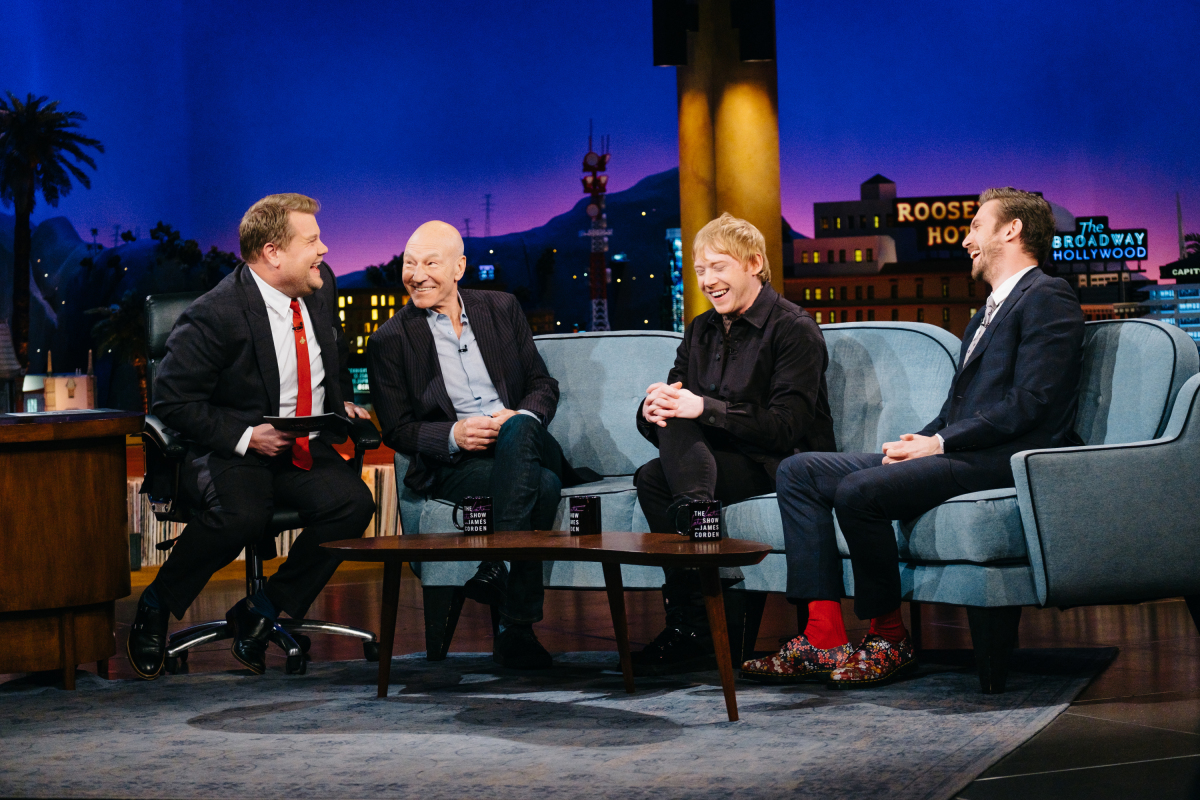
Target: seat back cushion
[
  {"x": 1132, "y": 370},
  {"x": 601, "y": 378},
  {"x": 886, "y": 379}
]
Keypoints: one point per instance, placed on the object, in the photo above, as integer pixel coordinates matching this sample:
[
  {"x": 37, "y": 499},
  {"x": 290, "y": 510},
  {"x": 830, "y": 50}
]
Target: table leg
[
  {"x": 710, "y": 584},
  {"x": 387, "y": 621},
  {"x": 616, "y": 604}
]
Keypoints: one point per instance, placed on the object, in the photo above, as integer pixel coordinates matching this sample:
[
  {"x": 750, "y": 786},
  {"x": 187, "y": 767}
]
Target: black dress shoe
[
  {"x": 489, "y": 585},
  {"x": 674, "y": 651},
  {"x": 518, "y": 648},
  {"x": 251, "y": 634},
  {"x": 147, "y": 643}
]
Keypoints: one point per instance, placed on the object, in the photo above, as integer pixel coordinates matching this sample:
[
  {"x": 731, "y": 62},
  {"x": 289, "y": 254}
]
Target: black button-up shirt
[{"x": 763, "y": 382}]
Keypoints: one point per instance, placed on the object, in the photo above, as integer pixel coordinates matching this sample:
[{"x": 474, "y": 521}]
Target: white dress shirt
[
  {"x": 999, "y": 295},
  {"x": 279, "y": 314}
]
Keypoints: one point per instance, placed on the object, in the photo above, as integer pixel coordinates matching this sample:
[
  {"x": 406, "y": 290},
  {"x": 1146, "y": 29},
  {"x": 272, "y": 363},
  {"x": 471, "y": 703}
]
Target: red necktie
[{"x": 301, "y": 457}]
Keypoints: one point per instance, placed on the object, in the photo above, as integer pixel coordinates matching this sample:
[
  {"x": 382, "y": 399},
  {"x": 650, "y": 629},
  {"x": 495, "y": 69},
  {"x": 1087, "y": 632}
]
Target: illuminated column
[{"x": 728, "y": 141}]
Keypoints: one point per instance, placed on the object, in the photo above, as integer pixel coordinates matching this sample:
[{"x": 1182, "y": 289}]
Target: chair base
[
  {"x": 993, "y": 636},
  {"x": 289, "y": 635}
]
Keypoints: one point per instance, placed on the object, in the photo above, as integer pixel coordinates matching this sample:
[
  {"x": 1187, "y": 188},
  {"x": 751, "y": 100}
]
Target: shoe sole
[
  {"x": 500, "y": 662},
  {"x": 486, "y": 596},
  {"x": 904, "y": 669},
  {"x": 137, "y": 671},
  {"x": 778, "y": 680},
  {"x": 256, "y": 670}
]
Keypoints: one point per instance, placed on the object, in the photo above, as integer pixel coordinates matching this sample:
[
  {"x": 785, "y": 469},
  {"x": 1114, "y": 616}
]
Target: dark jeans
[
  {"x": 236, "y": 498},
  {"x": 522, "y": 474},
  {"x": 690, "y": 466},
  {"x": 866, "y": 495}
]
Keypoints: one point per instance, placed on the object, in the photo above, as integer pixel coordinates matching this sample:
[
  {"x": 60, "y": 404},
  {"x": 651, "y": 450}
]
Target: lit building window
[
  {"x": 391, "y": 299},
  {"x": 818, "y": 294},
  {"x": 818, "y": 317},
  {"x": 946, "y": 318},
  {"x": 374, "y": 313},
  {"x": 876, "y": 221},
  {"x": 804, "y": 257},
  {"x": 374, "y": 299},
  {"x": 945, "y": 287},
  {"x": 816, "y": 256},
  {"x": 391, "y": 313},
  {"x": 350, "y": 300},
  {"x": 808, "y": 294},
  {"x": 838, "y": 223},
  {"x": 824, "y": 223},
  {"x": 341, "y": 302},
  {"x": 858, "y": 255},
  {"x": 360, "y": 341},
  {"x": 342, "y": 316},
  {"x": 832, "y": 293}
]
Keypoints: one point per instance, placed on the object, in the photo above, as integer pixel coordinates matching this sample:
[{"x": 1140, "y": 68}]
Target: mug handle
[
  {"x": 686, "y": 529},
  {"x": 454, "y": 516}
]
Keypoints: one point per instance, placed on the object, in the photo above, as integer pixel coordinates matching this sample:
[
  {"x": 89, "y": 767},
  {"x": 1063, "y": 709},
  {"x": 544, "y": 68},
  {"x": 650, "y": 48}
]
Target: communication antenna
[
  {"x": 487, "y": 215},
  {"x": 467, "y": 228},
  {"x": 1179, "y": 218},
  {"x": 595, "y": 184}
]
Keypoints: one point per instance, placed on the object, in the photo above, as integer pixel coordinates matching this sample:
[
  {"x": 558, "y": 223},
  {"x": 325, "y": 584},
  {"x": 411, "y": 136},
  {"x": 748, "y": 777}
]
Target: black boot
[
  {"x": 517, "y": 647},
  {"x": 147, "y": 643},
  {"x": 686, "y": 644},
  {"x": 251, "y": 634},
  {"x": 489, "y": 585}
]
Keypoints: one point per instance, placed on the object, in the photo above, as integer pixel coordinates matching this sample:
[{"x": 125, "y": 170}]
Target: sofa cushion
[{"x": 975, "y": 528}]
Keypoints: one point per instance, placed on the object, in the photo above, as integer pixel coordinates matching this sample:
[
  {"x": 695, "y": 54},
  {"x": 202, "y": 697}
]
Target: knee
[
  {"x": 854, "y": 492},
  {"x": 797, "y": 471},
  {"x": 237, "y": 526},
  {"x": 650, "y": 477},
  {"x": 362, "y": 505},
  {"x": 518, "y": 428}
]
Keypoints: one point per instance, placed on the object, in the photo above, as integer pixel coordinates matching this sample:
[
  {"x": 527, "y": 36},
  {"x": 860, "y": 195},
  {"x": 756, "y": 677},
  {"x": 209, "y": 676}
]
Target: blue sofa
[{"x": 1041, "y": 543}]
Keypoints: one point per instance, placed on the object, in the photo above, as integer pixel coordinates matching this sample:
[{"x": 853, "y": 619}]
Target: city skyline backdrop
[{"x": 395, "y": 113}]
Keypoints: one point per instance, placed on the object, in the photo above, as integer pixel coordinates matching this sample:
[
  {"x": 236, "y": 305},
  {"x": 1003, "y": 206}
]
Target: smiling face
[
  {"x": 433, "y": 264},
  {"x": 730, "y": 286},
  {"x": 987, "y": 241},
  {"x": 295, "y": 270}
]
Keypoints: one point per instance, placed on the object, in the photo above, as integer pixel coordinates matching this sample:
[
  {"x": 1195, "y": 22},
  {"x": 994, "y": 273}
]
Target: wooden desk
[
  {"x": 610, "y": 549},
  {"x": 64, "y": 544}
]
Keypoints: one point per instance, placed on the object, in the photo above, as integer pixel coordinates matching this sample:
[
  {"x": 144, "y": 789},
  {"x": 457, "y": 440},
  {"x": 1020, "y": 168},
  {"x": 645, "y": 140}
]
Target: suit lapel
[
  {"x": 260, "y": 330},
  {"x": 484, "y": 328},
  {"x": 425, "y": 355},
  {"x": 1002, "y": 312}
]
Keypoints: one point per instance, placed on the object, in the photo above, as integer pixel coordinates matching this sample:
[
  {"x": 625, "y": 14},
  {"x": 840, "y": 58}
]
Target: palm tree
[
  {"x": 1191, "y": 244},
  {"x": 122, "y": 332},
  {"x": 35, "y": 138}
]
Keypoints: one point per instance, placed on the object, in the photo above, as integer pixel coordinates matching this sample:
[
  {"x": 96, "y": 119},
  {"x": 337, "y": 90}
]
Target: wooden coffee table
[{"x": 611, "y": 550}]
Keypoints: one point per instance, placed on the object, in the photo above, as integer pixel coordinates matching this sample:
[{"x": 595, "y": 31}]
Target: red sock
[
  {"x": 825, "y": 628},
  {"x": 890, "y": 626}
]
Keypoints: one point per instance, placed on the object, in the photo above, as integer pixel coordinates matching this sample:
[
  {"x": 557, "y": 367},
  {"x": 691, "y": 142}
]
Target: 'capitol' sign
[{"x": 1093, "y": 240}]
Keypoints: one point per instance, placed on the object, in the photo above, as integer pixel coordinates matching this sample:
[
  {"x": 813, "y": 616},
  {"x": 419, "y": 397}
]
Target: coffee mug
[
  {"x": 701, "y": 519},
  {"x": 585, "y": 515},
  {"x": 476, "y": 515}
]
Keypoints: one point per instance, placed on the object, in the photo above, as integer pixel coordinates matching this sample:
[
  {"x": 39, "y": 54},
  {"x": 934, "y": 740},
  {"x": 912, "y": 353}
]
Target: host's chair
[{"x": 165, "y": 450}]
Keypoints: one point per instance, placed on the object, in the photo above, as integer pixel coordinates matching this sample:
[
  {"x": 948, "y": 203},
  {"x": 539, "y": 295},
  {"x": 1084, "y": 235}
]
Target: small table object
[{"x": 611, "y": 550}]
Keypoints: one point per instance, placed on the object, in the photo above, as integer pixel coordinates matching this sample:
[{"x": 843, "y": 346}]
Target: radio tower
[
  {"x": 596, "y": 185},
  {"x": 487, "y": 215}
]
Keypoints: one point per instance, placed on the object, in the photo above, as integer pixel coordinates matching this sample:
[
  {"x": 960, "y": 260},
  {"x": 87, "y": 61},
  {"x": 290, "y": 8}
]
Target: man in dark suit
[
  {"x": 459, "y": 386},
  {"x": 264, "y": 342},
  {"x": 1015, "y": 389}
]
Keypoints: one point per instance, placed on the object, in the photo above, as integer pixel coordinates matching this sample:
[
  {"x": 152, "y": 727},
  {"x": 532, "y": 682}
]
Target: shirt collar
[
  {"x": 758, "y": 311},
  {"x": 276, "y": 300},
  {"x": 429, "y": 312},
  {"x": 1001, "y": 292}
]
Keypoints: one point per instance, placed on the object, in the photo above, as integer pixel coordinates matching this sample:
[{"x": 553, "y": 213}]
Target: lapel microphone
[{"x": 462, "y": 349}]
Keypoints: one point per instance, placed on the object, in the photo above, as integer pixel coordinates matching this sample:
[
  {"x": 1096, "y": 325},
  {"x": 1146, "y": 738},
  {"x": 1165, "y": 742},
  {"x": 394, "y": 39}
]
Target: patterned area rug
[{"x": 463, "y": 728}]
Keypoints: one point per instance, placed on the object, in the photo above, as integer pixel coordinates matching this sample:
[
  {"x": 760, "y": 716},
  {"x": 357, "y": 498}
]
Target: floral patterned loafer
[
  {"x": 797, "y": 662},
  {"x": 875, "y": 662}
]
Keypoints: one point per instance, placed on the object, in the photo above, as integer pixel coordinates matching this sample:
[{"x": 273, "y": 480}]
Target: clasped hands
[
  {"x": 666, "y": 400},
  {"x": 267, "y": 441},
  {"x": 910, "y": 446},
  {"x": 479, "y": 433}
]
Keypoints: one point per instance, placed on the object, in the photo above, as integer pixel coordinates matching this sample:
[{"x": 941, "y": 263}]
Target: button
[
  {"x": 712, "y": 387},
  {"x": 712, "y": 420}
]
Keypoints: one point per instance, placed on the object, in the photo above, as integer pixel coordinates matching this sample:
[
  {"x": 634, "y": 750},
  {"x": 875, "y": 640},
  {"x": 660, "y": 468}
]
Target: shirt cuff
[
  {"x": 529, "y": 413},
  {"x": 941, "y": 444},
  {"x": 454, "y": 448},
  {"x": 714, "y": 412},
  {"x": 244, "y": 443}
]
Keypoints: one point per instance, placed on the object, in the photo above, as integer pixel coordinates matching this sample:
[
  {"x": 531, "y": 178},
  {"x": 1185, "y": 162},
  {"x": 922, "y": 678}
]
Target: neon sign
[
  {"x": 936, "y": 217},
  {"x": 1094, "y": 240}
]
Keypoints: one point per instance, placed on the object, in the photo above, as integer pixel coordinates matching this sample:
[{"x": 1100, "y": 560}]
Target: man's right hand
[
  {"x": 476, "y": 433},
  {"x": 267, "y": 441}
]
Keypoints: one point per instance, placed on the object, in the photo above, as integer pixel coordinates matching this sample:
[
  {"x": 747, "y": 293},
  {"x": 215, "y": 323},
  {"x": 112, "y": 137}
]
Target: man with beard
[{"x": 1015, "y": 389}]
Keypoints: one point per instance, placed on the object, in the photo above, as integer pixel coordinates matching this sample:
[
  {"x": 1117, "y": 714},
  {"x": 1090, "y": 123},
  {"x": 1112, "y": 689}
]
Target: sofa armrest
[
  {"x": 364, "y": 434},
  {"x": 169, "y": 443},
  {"x": 1115, "y": 523}
]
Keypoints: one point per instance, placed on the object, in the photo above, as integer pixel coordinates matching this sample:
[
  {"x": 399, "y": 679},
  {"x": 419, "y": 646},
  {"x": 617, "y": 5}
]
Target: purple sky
[{"x": 394, "y": 113}]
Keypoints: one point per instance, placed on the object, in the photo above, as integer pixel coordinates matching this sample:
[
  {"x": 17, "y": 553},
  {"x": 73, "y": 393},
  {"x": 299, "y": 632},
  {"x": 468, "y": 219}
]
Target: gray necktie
[{"x": 989, "y": 311}]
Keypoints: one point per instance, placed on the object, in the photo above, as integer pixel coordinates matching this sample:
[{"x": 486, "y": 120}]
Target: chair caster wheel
[
  {"x": 176, "y": 665},
  {"x": 304, "y": 642},
  {"x": 371, "y": 651},
  {"x": 295, "y": 665}
]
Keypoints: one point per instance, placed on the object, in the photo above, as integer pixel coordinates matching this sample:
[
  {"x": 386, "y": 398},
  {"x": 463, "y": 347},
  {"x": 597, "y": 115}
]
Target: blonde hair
[
  {"x": 267, "y": 221},
  {"x": 735, "y": 237}
]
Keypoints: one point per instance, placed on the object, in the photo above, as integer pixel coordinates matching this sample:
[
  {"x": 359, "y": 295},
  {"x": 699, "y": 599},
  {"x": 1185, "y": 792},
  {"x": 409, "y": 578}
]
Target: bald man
[{"x": 461, "y": 389}]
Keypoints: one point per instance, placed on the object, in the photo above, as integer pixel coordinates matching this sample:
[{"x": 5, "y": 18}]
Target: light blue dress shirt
[{"x": 466, "y": 377}]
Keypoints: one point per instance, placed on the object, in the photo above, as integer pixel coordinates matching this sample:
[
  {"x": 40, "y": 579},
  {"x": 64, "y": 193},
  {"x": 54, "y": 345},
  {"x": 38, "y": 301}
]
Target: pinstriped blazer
[
  {"x": 1019, "y": 389},
  {"x": 409, "y": 393}
]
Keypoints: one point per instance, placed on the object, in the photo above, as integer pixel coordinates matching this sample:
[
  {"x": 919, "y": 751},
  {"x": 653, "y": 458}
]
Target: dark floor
[{"x": 1135, "y": 732}]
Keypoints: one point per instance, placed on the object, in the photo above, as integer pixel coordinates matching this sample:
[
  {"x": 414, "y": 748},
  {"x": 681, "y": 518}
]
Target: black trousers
[
  {"x": 522, "y": 473},
  {"x": 866, "y": 495},
  {"x": 695, "y": 466},
  {"x": 236, "y": 498}
]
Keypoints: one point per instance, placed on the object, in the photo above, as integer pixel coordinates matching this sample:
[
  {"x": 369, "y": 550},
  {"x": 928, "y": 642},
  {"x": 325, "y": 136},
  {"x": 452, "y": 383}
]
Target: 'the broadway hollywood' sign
[{"x": 1093, "y": 240}]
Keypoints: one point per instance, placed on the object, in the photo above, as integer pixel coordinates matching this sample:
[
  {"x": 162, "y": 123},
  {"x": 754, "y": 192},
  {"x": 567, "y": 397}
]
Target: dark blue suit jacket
[{"x": 1019, "y": 389}]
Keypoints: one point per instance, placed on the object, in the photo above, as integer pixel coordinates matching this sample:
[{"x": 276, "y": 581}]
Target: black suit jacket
[
  {"x": 220, "y": 374},
  {"x": 415, "y": 412},
  {"x": 1020, "y": 387}
]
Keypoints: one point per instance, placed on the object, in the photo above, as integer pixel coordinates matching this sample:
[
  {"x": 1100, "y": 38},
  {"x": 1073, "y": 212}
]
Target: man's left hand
[
  {"x": 353, "y": 411},
  {"x": 672, "y": 400},
  {"x": 910, "y": 446},
  {"x": 504, "y": 416}
]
